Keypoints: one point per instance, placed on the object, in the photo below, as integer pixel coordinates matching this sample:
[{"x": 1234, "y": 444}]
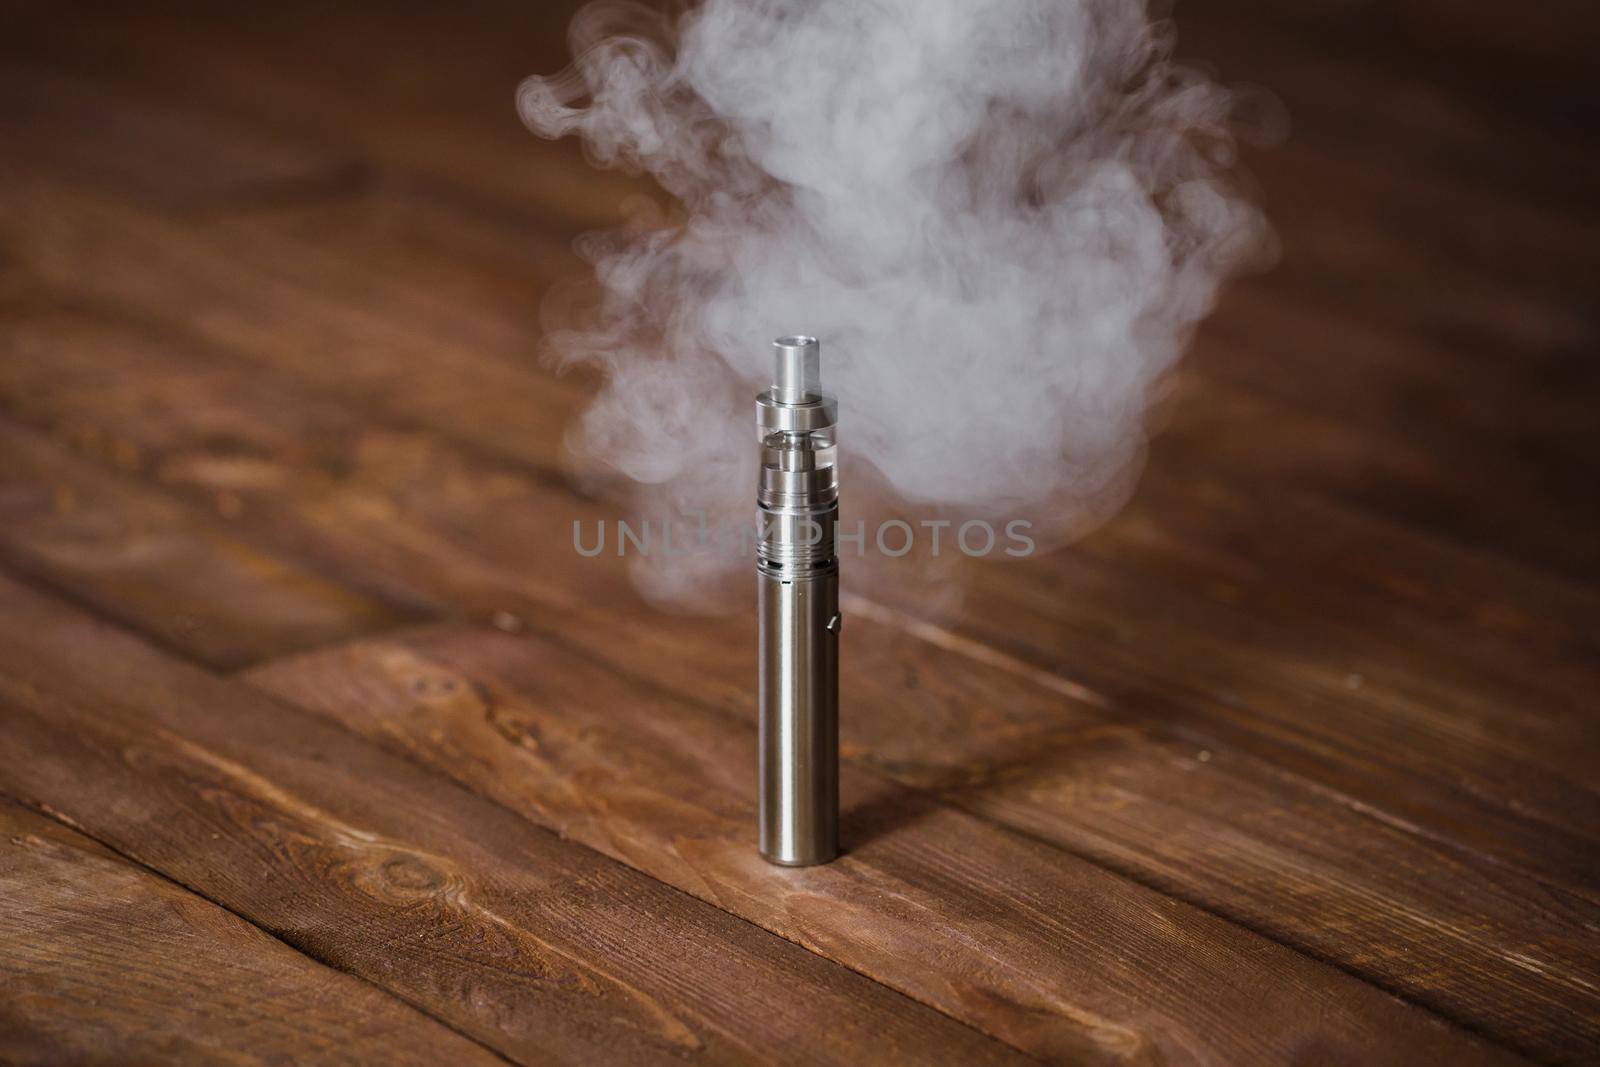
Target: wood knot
[
  {"x": 412, "y": 874},
  {"x": 404, "y": 878}
]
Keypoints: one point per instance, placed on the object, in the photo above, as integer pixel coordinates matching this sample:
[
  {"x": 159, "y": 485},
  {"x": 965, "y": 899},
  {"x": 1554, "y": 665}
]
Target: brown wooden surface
[
  {"x": 533, "y": 946},
  {"x": 107, "y": 962},
  {"x": 333, "y": 747}
]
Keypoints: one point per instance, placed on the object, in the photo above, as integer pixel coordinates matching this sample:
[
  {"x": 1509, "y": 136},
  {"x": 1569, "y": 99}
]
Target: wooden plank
[
  {"x": 492, "y": 414},
  {"x": 449, "y": 118},
  {"x": 483, "y": 538},
  {"x": 466, "y": 371},
  {"x": 468, "y": 260},
  {"x": 108, "y": 963},
  {"x": 325, "y": 437},
  {"x": 1391, "y": 466},
  {"x": 1239, "y": 436},
  {"x": 1425, "y": 373},
  {"x": 1383, "y": 416},
  {"x": 1437, "y": 487},
  {"x": 499, "y": 515},
  {"x": 165, "y": 149},
  {"x": 421, "y": 244},
  {"x": 1440, "y": 340},
  {"x": 661, "y": 782},
  {"x": 1314, "y": 589},
  {"x": 1476, "y": 942},
  {"x": 665, "y": 785},
  {"x": 331, "y": 324},
  {"x": 1370, "y": 376},
  {"x": 1365, "y": 243},
  {"x": 452, "y": 118},
  {"x": 1475, "y": 628},
  {"x": 1345, "y": 174},
  {"x": 1455, "y": 76},
  {"x": 291, "y": 67},
  {"x": 1348, "y": 101},
  {"x": 1554, "y": 803},
  {"x": 458, "y": 102},
  {"x": 538, "y": 948},
  {"x": 1359, "y": 723},
  {"x": 1271, "y": 451},
  {"x": 150, "y": 564}
]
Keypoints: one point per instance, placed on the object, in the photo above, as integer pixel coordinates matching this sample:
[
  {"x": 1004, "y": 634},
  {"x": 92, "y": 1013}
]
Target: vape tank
[{"x": 797, "y": 572}]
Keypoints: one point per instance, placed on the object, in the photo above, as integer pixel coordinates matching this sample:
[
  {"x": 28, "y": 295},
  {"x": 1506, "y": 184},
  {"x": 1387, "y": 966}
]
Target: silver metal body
[{"x": 797, "y": 573}]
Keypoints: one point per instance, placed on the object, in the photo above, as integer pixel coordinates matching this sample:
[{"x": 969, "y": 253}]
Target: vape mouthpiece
[
  {"x": 797, "y": 574},
  {"x": 796, "y": 370}
]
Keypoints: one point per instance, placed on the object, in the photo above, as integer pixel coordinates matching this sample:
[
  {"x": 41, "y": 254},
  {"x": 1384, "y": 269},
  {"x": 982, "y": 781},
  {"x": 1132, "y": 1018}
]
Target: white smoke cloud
[{"x": 1002, "y": 217}]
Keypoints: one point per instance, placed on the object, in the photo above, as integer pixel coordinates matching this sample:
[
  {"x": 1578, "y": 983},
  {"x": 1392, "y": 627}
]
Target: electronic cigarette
[{"x": 797, "y": 573}]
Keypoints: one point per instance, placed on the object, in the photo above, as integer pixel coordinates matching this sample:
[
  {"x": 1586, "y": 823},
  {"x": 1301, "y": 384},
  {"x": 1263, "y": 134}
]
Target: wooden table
[{"x": 315, "y": 748}]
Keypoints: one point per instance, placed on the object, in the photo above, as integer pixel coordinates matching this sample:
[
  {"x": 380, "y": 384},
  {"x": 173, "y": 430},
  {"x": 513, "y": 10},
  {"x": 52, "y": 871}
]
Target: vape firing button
[{"x": 835, "y": 624}]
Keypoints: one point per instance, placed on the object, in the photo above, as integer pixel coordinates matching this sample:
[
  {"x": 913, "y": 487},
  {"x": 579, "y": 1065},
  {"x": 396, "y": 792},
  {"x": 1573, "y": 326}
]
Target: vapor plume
[{"x": 1003, "y": 218}]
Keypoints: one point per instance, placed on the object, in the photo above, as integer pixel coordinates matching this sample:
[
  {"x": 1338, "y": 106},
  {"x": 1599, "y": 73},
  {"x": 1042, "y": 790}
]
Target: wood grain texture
[
  {"x": 1390, "y": 227},
  {"x": 1408, "y": 478},
  {"x": 929, "y": 710},
  {"x": 105, "y": 962},
  {"x": 665, "y": 785},
  {"x": 1050, "y": 1022},
  {"x": 327, "y": 74},
  {"x": 1486, "y": 600},
  {"x": 1339, "y": 710},
  {"x": 150, "y": 564},
  {"x": 472, "y": 383},
  {"x": 1329, "y": 681},
  {"x": 452, "y": 387},
  {"x": 165, "y": 150},
  {"x": 539, "y": 949},
  {"x": 337, "y": 325}
]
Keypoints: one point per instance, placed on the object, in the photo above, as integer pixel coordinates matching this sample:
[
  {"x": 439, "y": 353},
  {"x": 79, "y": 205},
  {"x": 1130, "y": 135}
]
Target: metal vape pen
[{"x": 797, "y": 572}]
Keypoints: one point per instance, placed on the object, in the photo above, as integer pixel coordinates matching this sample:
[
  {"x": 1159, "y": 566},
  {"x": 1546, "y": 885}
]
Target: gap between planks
[
  {"x": 932, "y": 634},
  {"x": 983, "y": 652},
  {"x": 444, "y": 623},
  {"x": 922, "y": 631},
  {"x": 61, "y": 819},
  {"x": 950, "y": 641},
  {"x": 935, "y": 635},
  {"x": 962, "y": 645},
  {"x": 933, "y": 794}
]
